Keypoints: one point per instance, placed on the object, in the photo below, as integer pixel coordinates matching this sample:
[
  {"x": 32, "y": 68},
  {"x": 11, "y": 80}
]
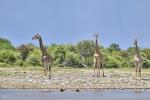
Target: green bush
[
  {"x": 70, "y": 55},
  {"x": 146, "y": 64},
  {"x": 34, "y": 60},
  {"x": 58, "y": 53},
  {"x": 72, "y": 59},
  {"x": 87, "y": 47},
  {"x": 3, "y": 64},
  {"x": 111, "y": 64},
  {"x": 5, "y": 44},
  {"x": 19, "y": 63},
  {"x": 89, "y": 62},
  {"x": 8, "y": 57}
]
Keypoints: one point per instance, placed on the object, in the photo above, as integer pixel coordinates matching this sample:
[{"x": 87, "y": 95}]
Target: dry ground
[{"x": 69, "y": 78}]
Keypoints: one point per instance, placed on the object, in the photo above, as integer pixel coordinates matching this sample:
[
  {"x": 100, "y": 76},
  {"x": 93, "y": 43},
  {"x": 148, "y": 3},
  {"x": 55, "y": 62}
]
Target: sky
[{"x": 70, "y": 21}]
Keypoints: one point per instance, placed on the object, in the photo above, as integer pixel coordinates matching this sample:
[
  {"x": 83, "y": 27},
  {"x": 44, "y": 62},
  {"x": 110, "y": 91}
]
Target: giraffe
[
  {"x": 46, "y": 59},
  {"x": 137, "y": 60},
  {"x": 98, "y": 58}
]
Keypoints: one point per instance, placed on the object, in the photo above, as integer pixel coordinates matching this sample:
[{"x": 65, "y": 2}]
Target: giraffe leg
[
  {"x": 49, "y": 72},
  {"x": 94, "y": 66},
  {"x": 98, "y": 70},
  {"x": 101, "y": 67},
  {"x": 139, "y": 72},
  {"x": 103, "y": 70},
  {"x": 44, "y": 69},
  {"x": 45, "y": 72},
  {"x": 94, "y": 71},
  {"x": 140, "y": 69},
  {"x": 135, "y": 69},
  {"x": 45, "y": 66}
]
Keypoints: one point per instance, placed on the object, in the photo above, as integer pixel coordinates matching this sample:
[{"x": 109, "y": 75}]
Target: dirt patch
[{"x": 71, "y": 78}]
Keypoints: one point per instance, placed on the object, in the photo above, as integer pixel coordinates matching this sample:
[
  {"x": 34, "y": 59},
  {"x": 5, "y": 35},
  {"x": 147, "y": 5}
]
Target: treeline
[{"x": 79, "y": 55}]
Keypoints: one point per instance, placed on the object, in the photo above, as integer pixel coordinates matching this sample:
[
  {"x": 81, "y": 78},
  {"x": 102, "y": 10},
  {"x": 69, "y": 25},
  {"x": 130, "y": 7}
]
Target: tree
[
  {"x": 114, "y": 47},
  {"x": 72, "y": 48},
  {"x": 59, "y": 54},
  {"x": 131, "y": 50},
  {"x": 123, "y": 54},
  {"x": 24, "y": 49},
  {"x": 87, "y": 47},
  {"x": 72, "y": 60},
  {"x": 146, "y": 51},
  {"x": 5, "y": 44}
]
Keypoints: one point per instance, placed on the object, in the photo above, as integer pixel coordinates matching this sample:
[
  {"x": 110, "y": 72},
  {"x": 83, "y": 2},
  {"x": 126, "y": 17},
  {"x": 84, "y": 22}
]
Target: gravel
[{"x": 74, "y": 79}]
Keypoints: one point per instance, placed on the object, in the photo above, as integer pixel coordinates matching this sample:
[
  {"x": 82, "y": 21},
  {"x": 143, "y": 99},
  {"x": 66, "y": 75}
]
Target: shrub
[
  {"x": 3, "y": 64},
  {"x": 8, "y": 57},
  {"x": 72, "y": 59},
  {"x": 34, "y": 59},
  {"x": 89, "y": 61},
  {"x": 111, "y": 64},
  {"x": 146, "y": 64},
  {"x": 5, "y": 44},
  {"x": 24, "y": 50},
  {"x": 19, "y": 63}
]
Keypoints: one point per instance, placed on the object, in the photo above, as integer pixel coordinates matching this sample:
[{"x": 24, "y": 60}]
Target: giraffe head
[
  {"x": 96, "y": 35},
  {"x": 37, "y": 36}
]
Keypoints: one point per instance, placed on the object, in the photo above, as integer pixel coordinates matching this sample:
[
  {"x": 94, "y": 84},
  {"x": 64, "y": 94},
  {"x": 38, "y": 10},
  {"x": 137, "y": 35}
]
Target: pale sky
[{"x": 70, "y": 21}]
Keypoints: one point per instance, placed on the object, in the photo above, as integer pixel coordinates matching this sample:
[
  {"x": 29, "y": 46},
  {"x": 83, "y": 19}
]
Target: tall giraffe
[
  {"x": 98, "y": 58},
  {"x": 46, "y": 59},
  {"x": 137, "y": 60}
]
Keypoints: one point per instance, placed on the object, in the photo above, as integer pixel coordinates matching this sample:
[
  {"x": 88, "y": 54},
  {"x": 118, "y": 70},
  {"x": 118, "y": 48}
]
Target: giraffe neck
[
  {"x": 136, "y": 50},
  {"x": 97, "y": 51},
  {"x": 43, "y": 50},
  {"x": 97, "y": 47}
]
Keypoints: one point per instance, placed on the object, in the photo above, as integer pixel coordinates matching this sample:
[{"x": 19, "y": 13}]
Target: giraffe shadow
[
  {"x": 104, "y": 76},
  {"x": 99, "y": 76}
]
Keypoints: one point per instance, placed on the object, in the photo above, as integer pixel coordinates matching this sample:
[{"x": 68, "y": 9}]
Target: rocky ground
[{"x": 72, "y": 79}]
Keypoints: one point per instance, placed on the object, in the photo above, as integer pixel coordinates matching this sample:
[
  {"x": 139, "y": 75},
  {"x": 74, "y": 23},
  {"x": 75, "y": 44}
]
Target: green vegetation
[{"x": 69, "y": 55}]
